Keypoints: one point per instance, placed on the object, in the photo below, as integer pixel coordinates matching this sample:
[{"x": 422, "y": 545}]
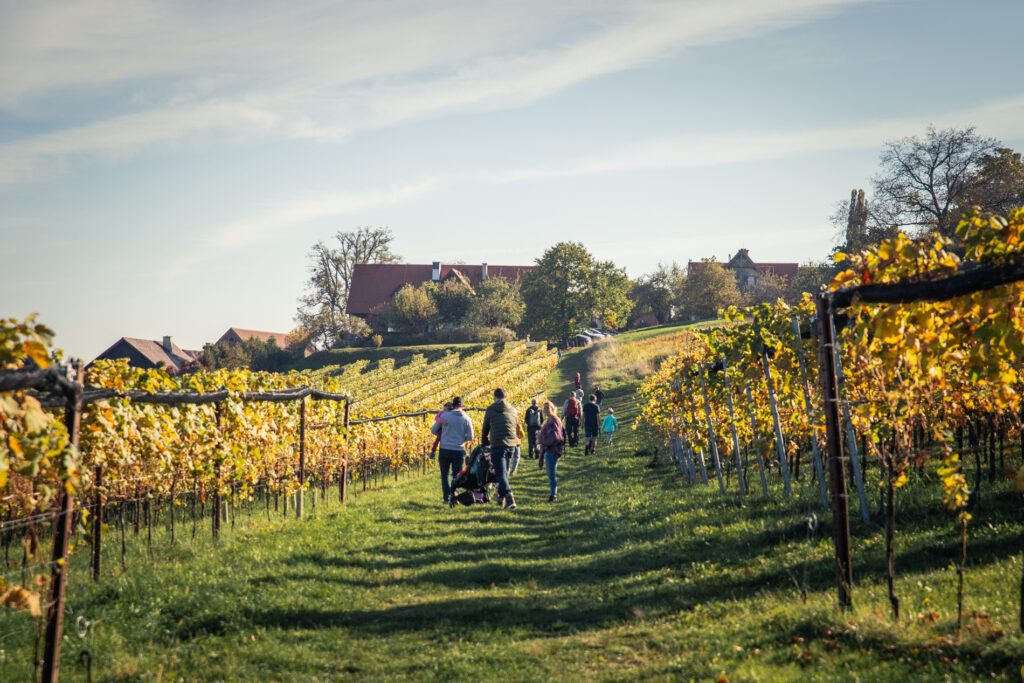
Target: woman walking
[{"x": 552, "y": 440}]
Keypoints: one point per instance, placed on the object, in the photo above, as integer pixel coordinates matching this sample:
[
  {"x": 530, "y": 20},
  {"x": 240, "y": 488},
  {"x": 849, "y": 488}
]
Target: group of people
[{"x": 547, "y": 437}]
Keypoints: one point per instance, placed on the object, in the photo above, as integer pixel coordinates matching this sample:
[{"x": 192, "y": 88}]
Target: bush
[{"x": 377, "y": 341}]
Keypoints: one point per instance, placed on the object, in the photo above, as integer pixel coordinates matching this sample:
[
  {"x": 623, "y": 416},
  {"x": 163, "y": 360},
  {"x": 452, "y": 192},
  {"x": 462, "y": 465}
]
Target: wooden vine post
[
  {"x": 215, "y": 500},
  {"x": 732, "y": 424},
  {"x": 299, "y": 495},
  {"x": 700, "y": 453},
  {"x": 711, "y": 430},
  {"x": 61, "y": 539},
  {"x": 97, "y": 523},
  {"x": 818, "y": 467},
  {"x": 834, "y": 443},
  {"x": 851, "y": 436},
  {"x": 757, "y": 450},
  {"x": 780, "y": 442}
]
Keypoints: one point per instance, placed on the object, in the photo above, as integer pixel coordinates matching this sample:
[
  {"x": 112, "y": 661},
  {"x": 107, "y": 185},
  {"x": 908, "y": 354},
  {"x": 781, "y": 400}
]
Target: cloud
[
  {"x": 1004, "y": 118},
  {"x": 275, "y": 222},
  {"x": 321, "y": 71}
]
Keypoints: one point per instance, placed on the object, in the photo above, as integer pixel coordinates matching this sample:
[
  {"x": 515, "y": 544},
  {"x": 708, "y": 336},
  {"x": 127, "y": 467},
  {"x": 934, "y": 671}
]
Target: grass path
[{"x": 631, "y": 575}]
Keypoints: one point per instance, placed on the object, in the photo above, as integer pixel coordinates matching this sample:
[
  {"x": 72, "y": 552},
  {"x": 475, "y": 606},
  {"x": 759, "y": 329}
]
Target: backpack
[
  {"x": 534, "y": 419},
  {"x": 573, "y": 409}
]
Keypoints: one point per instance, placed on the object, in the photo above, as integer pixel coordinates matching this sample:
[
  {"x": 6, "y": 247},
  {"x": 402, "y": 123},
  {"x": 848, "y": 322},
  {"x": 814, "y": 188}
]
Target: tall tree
[
  {"x": 453, "y": 300},
  {"x": 999, "y": 184},
  {"x": 322, "y": 308},
  {"x": 568, "y": 288},
  {"x": 657, "y": 292},
  {"x": 499, "y": 303},
  {"x": 708, "y": 288},
  {"x": 922, "y": 180}
]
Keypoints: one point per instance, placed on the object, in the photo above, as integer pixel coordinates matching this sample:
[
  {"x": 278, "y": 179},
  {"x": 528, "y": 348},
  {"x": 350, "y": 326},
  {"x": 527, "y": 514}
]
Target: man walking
[
  {"x": 571, "y": 416},
  {"x": 599, "y": 394},
  {"x": 591, "y": 413},
  {"x": 499, "y": 432},
  {"x": 534, "y": 421},
  {"x": 455, "y": 430}
]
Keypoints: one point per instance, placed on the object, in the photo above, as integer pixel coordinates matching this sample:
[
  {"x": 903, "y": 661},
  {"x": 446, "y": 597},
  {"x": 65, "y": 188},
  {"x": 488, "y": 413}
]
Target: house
[
  {"x": 236, "y": 335},
  {"x": 373, "y": 284},
  {"x": 749, "y": 273},
  {"x": 149, "y": 353}
]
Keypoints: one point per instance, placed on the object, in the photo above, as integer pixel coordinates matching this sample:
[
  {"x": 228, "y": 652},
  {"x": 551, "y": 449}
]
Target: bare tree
[
  {"x": 321, "y": 309},
  {"x": 922, "y": 181}
]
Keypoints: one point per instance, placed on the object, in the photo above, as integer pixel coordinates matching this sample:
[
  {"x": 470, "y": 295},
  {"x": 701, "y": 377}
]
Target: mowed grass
[{"x": 633, "y": 574}]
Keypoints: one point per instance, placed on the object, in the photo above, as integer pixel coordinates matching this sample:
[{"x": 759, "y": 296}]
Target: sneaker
[
  {"x": 552, "y": 499},
  {"x": 510, "y": 502},
  {"x": 500, "y": 500}
]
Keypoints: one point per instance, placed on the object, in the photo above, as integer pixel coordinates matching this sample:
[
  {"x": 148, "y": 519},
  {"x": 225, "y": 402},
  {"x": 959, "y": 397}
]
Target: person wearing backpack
[
  {"x": 533, "y": 420},
  {"x": 571, "y": 413}
]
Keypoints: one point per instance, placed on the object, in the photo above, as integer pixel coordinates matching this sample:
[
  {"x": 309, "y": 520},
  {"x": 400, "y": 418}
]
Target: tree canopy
[
  {"x": 568, "y": 289},
  {"x": 321, "y": 309}
]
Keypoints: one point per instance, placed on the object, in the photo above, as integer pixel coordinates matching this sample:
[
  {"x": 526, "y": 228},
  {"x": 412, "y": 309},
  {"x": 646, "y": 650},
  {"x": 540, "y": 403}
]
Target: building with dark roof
[
  {"x": 749, "y": 273},
  {"x": 373, "y": 284},
  {"x": 149, "y": 353}
]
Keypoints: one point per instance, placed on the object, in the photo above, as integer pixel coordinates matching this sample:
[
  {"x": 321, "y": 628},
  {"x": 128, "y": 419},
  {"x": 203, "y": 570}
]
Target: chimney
[
  {"x": 167, "y": 343},
  {"x": 435, "y": 272},
  {"x": 483, "y": 272}
]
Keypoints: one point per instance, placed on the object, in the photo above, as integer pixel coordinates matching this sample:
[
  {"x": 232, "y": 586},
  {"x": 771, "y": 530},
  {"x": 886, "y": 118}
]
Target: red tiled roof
[
  {"x": 786, "y": 270},
  {"x": 237, "y": 334},
  {"x": 373, "y": 284}
]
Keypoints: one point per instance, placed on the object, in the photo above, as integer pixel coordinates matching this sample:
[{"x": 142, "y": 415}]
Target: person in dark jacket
[
  {"x": 591, "y": 415},
  {"x": 599, "y": 394},
  {"x": 499, "y": 432},
  {"x": 571, "y": 414},
  {"x": 552, "y": 441},
  {"x": 534, "y": 419}
]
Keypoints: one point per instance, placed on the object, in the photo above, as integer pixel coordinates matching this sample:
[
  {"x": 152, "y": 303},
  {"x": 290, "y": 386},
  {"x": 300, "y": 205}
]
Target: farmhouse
[
  {"x": 149, "y": 353},
  {"x": 236, "y": 335},
  {"x": 373, "y": 284},
  {"x": 749, "y": 273}
]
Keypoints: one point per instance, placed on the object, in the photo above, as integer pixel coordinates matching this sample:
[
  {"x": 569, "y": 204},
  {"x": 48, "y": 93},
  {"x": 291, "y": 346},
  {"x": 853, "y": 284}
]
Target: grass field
[{"x": 633, "y": 574}]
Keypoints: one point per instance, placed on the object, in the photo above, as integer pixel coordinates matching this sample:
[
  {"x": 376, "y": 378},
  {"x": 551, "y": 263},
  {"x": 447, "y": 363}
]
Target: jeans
[
  {"x": 572, "y": 430},
  {"x": 500, "y": 457},
  {"x": 551, "y": 461},
  {"x": 514, "y": 465},
  {"x": 531, "y": 440},
  {"x": 449, "y": 460},
  {"x": 609, "y": 441}
]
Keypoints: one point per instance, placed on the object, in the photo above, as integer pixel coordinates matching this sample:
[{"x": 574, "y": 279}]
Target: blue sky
[{"x": 165, "y": 167}]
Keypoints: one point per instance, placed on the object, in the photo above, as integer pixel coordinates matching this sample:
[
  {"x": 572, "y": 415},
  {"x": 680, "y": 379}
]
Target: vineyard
[
  {"x": 921, "y": 380},
  {"x": 207, "y": 445}
]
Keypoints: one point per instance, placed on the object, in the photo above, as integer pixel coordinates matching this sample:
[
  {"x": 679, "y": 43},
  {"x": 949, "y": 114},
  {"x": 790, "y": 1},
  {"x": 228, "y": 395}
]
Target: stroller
[{"x": 475, "y": 479}]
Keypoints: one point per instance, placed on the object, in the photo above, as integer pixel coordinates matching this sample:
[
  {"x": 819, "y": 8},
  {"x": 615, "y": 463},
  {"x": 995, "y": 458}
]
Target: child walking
[{"x": 609, "y": 425}]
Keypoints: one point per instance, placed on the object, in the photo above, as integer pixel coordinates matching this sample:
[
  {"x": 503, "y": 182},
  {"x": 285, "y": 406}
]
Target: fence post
[
  {"x": 834, "y": 443},
  {"x": 215, "y": 499},
  {"x": 97, "y": 524},
  {"x": 61, "y": 538},
  {"x": 779, "y": 440},
  {"x": 299, "y": 496},
  {"x": 711, "y": 430},
  {"x": 818, "y": 467}
]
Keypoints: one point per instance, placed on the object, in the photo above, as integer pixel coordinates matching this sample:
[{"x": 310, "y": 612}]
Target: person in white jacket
[{"x": 455, "y": 430}]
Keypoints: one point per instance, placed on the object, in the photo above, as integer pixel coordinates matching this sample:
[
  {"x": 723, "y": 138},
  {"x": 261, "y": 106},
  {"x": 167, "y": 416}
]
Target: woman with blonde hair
[{"x": 551, "y": 438}]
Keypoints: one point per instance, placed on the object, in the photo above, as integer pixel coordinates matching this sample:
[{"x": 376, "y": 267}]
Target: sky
[{"x": 165, "y": 167}]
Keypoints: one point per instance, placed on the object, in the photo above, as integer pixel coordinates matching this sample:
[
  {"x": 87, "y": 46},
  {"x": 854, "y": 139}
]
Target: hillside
[{"x": 631, "y": 574}]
